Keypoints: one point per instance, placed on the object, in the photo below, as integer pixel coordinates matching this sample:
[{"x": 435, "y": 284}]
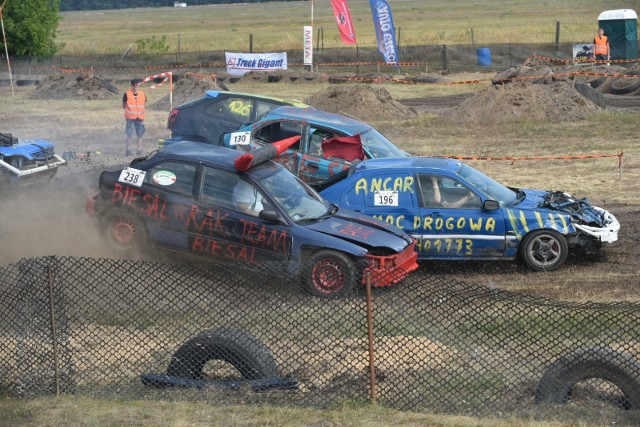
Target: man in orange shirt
[
  {"x": 133, "y": 103},
  {"x": 601, "y": 46}
]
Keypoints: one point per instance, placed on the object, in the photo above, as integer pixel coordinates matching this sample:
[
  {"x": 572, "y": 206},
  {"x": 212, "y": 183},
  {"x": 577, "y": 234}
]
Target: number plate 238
[{"x": 132, "y": 176}]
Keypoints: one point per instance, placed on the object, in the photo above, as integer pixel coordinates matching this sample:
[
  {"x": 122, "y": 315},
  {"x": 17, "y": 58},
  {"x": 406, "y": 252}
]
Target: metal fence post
[{"x": 372, "y": 370}]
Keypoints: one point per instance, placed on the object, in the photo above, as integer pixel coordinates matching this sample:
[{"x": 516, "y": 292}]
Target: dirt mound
[
  {"x": 556, "y": 101},
  {"x": 361, "y": 102},
  {"x": 65, "y": 86},
  {"x": 186, "y": 89}
]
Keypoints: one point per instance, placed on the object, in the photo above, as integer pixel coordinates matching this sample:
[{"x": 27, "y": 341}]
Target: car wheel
[
  {"x": 544, "y": 250},
  {"x": 559, "y": 379},
  {"x": 329, "y": 274},
  {"x": 125, "y": 232},
  {"x": 243, "y": 351}
]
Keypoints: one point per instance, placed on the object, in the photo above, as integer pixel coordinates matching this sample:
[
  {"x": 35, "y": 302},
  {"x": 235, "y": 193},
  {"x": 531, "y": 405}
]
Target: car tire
[
  {"x": 558, "y": 380},
  {"x": 622, "y": 85},
  {"x": 329, "y": 274},
  {"x": 544, "y": 250},
  {"x": 125, "y": 232},
  {"x": 244, "y": 351}
]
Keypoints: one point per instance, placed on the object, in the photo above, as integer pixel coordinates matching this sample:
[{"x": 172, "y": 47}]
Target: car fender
[{"x": 523, "y": 221}]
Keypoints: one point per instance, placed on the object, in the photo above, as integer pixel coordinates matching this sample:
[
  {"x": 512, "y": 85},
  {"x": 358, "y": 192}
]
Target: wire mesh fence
[
  {"x": 141, "y": 329},
  {"x": 363, "y": 60}
]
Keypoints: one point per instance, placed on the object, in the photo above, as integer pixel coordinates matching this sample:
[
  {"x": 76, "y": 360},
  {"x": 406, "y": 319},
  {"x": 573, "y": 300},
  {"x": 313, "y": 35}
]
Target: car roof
[
  {"x": 206, "y": 153},
  {"x": 326, "y": 119},
  {"x": 432, "y": 164},
  {"x": 217, "y": 93}
]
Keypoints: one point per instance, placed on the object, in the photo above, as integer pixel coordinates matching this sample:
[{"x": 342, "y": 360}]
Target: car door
[
  {"x": 314, "y": 166},
  {"x": 167, "y": 196},
  {"x": 219, "y": 229},
  {"x": 456, "y": 226},
  {"x": 210, "y": 120}
]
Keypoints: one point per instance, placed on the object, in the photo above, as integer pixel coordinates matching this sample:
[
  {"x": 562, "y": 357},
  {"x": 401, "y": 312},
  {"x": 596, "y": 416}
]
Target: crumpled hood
[
  {"x": 579, "y": 209},
  {"x": 363, "y": 230}
]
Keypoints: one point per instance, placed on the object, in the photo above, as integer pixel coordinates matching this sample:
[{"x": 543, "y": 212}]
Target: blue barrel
[{"x": 484, "y": 56}]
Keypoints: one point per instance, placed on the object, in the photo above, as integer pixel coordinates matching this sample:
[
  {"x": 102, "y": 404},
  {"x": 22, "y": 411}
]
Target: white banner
[
  {"x": 239, "y": 64},
  {"x": 308, "y": 45}
]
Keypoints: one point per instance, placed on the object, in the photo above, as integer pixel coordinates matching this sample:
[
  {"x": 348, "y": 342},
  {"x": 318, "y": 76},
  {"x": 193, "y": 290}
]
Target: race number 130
[
  {"x": 240, "y": 138},
  {"x": 385, "y": 198}
]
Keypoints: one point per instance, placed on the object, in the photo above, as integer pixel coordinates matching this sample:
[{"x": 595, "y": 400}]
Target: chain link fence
[
  {"x": 361, "y": 60},
  {"x": 217, "y": 333}
]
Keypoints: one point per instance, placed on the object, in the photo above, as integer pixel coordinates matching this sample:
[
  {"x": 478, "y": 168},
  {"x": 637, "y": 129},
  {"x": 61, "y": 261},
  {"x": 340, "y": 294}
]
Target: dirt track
[{"x": 48, "y": 220}]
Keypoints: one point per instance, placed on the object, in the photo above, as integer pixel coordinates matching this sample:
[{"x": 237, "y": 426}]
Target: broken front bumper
[
  {"x": 389, "y": 270},
  {"x": 607, "y": 233},
  {"x": 47, "y": 168}
]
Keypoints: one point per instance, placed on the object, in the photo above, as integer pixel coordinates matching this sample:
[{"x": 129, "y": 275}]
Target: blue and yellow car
[{"x": 455, "y": 212}]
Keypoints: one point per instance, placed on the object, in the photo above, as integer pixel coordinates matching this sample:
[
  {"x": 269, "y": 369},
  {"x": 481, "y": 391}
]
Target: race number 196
[
  {"x": 240, "y": 138},
  {"x": 385, "y": 198},
  {"x": 132, "y": 176}
]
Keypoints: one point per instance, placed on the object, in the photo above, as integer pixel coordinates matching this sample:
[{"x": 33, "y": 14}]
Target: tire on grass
[
  {"x": 243, "y": 351},
  {"x": 558, "y": 380},
  {"x": 625, "y": 85}
]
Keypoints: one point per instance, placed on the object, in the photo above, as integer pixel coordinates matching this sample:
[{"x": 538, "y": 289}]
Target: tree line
[{"x": 70, "y": 5}]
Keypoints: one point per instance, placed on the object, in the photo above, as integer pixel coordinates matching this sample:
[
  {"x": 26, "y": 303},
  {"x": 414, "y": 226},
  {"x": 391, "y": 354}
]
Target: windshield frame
[
  {"x": 377, "y": 146},
  {"x": 487, "y": 186},
  {"x": 298, "y": 201}
]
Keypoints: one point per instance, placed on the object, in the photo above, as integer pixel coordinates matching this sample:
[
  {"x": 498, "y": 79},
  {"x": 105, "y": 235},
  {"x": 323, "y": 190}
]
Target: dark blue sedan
[
  {"x": 191, "y": 198},
  {"x": 457, "y": 213}
]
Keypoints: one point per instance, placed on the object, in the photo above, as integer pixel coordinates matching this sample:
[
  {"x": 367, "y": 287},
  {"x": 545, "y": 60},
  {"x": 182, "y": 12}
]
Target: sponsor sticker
[{"x": 163, "y": 177}]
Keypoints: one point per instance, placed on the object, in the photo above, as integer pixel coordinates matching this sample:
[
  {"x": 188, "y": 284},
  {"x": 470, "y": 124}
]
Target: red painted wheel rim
[
  {"x": 123, "y": 232},
  {"x": 328, "y": 276}
]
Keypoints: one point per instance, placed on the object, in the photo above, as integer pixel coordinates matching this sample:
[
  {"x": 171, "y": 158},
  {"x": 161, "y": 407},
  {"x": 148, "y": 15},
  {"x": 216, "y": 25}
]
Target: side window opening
[{"x": 176, "y": 177}]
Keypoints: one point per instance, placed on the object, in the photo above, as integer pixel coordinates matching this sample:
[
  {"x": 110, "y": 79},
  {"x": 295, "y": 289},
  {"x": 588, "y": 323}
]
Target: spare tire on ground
[
  {"x": 625, "y": 85},
  {"x": 244, "y": 351},
  {"x": 559, "y": 379}
]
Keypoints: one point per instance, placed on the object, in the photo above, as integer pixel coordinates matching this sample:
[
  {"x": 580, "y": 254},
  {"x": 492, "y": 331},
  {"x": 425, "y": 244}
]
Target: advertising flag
[
  {"x": 343, "y": 18},
  {"x": 385, "y": 31}
]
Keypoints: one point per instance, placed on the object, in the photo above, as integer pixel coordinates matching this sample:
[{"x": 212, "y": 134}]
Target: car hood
[
  {"x": 362, "y": 230},
  {"x": 557, "y": 201}
]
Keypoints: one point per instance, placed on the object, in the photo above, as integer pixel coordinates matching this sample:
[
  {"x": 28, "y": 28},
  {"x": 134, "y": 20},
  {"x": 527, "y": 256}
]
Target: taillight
[{"x": 173, "y": 116}]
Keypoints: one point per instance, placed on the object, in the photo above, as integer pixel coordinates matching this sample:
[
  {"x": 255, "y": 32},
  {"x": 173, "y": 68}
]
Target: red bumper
[{"x": 389, "y": 270}]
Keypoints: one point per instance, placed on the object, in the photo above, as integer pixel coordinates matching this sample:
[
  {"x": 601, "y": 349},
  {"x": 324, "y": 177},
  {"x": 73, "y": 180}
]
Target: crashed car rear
[
  {"x": 220, "y": 204},
  {"x": 23, "y": 161}
]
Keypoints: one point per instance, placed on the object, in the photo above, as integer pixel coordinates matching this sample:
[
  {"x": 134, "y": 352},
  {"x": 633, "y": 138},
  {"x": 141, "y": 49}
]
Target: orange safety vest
[
  {"x": 600, "y": 45},
  {"x": 135, "y": 106}
]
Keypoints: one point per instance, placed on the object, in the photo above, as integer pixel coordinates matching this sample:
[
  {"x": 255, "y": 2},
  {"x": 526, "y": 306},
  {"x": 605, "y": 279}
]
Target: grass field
[
  {"x": 97, "y": 125},
  {"x": 279, "y": 25}
]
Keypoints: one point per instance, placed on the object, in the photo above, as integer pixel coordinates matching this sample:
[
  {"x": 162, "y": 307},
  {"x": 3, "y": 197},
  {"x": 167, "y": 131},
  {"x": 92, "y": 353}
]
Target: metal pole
[
  {"x": 372, "y": 370},
  {"x": 6, "y": 50},
  {"x": 54, "y": 341}
]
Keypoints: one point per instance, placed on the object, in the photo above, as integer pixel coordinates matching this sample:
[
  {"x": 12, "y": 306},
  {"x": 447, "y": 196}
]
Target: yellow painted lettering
[
  {"x": 398, "y": 184},
  {"x": 475, "y": 226},
  {"x": 449, "y": 223},
  {"x": 408, "y": 184},
  {"x": 428, "y": 222},
  {"x": 462, "y": 222},
  {"x": 439, "y": 223},
  {"x": 361, "y": 185},
  {"x": 400, "y": 221},
  {"x": 376, "y": 184},
  {"x": 416, "y": 222},
  {"x": 385, "y": 184},
  {"x": 490, "y": 225}
]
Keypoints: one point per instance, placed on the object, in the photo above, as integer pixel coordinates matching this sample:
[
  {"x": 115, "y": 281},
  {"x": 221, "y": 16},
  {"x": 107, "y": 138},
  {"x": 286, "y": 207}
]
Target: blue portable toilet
[{"x": 621, "y": 27}]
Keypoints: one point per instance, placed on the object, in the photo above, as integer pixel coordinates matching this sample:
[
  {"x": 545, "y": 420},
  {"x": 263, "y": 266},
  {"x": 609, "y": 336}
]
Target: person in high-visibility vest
[
  {"x": 601, "y": 46},
  {"x": 133, "y": 103}
]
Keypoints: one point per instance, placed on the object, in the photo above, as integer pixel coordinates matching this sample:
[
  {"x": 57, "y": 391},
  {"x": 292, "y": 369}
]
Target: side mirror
[
  {"x": 490, "y": 205},
  {"x": 270, "y": 215}
]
